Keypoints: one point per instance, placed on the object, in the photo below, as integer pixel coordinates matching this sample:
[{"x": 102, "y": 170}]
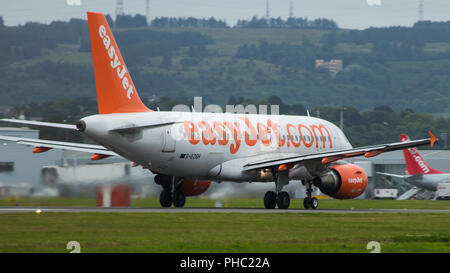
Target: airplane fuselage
[
  {"x": 429, "y": 181},
  {"x": 212, "y": 145}
]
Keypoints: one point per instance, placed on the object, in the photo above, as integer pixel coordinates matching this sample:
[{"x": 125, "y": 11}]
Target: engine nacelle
[
  {"x": 192, "y": 187},
  {"x": 343, "y": 181}
]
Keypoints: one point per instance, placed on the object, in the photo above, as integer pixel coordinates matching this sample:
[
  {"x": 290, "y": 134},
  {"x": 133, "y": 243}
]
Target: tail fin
[
  {"x": 115, "y": 89},
  {"x": 415, "y": 163}
]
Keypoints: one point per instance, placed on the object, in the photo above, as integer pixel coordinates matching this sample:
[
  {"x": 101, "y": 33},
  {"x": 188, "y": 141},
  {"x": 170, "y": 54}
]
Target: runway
[{"x": 205, "y": 210}]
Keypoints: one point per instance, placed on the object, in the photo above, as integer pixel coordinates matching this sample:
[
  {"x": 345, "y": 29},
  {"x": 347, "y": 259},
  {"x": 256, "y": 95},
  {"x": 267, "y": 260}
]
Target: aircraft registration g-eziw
[{"x": 188, "y": 150}]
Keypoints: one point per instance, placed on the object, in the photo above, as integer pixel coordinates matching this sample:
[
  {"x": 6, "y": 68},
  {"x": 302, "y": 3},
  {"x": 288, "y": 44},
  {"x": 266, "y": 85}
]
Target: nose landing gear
[{"x": 310, "y": 202}]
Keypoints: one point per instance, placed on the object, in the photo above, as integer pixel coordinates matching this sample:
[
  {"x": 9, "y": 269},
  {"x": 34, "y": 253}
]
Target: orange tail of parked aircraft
[
  {"x": 116, "y": 92},
  {"x": 415, "y": 163}
]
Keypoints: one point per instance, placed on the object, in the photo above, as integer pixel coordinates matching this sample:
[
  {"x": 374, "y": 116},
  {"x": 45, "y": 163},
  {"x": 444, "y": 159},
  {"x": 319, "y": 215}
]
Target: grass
[
  {"x": 437, "y": 47},
  {"x": 353, "y": 48},
  {"x": 220, "y": 232},
  {"x": 233, "y": 203},
  {"x": 225, "y": 232},
  {"x": 62, "y": 53}
]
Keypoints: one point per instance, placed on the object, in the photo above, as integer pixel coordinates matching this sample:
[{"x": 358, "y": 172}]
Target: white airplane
[{"x": 183, "y": 148}]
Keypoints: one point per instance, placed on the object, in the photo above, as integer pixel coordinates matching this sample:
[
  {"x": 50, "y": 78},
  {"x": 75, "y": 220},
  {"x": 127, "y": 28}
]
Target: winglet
[{"x": 433, "y": 139}]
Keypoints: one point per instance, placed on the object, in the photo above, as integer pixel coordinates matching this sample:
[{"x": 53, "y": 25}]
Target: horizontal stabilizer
[
  {"x": 40, "y": 123},
  {"x": 70, "y": 146}
]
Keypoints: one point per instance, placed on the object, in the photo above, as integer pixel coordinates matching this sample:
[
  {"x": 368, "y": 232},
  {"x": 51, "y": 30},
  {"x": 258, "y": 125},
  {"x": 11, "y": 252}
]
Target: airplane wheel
[
  {"x": 283, "y": 200},
  {"x": 313, "y": 203},
  {"x": 179, "y": 199},
  {"x": 306, "y": 203},
  {"x": 270, "y": 200},
  {"x": 165, "y": 199}
]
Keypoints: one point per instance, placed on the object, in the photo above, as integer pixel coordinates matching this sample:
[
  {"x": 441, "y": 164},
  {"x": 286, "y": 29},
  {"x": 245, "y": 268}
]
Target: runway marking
[{"x": 32, "y": 210}]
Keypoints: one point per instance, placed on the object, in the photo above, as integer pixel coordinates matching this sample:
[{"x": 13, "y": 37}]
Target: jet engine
[
  {"x": 342, "y": 181},
  {"x": 192, "y": 187}
]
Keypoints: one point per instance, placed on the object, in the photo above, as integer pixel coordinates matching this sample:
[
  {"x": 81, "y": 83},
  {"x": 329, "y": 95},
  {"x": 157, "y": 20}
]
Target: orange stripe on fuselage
[{"x": 219, "y": 133}]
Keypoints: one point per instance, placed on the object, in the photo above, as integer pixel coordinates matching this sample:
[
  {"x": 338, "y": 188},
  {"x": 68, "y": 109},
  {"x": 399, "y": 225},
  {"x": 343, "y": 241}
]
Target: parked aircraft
[
  {"x": 417, "y": 171},
  {"x": 187, "y": 150}
]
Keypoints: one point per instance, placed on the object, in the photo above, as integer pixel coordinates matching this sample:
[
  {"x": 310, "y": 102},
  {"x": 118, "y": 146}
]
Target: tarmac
[{"x": 205, "y": 210}]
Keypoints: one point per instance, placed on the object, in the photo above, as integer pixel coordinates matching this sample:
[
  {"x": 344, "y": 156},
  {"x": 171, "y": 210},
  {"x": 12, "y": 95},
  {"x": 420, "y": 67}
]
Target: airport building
[{"x": 20, "y": 169}]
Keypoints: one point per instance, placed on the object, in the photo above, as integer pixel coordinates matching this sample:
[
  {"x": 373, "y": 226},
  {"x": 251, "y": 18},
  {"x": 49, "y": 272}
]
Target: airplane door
[{"x": 169, "y": 141}]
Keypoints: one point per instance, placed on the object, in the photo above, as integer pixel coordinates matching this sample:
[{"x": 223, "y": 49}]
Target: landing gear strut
[
  {"x": 279, "y": 197},
  {"x": 310, "y": 202},
  {"x": 172, "y": 193}
]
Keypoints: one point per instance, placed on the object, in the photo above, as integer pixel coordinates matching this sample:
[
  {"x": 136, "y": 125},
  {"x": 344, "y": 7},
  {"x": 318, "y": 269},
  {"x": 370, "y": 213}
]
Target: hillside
[{"x": 253, "y": 63}]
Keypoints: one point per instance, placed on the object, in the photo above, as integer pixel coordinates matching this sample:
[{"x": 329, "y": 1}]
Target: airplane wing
[
  {"x": 45, "y": 145},
  {"x": 328, "y": 157}
]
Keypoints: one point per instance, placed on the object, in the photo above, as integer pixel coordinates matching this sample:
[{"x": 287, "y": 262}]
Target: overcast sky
[{"x": 347, "y": 13}]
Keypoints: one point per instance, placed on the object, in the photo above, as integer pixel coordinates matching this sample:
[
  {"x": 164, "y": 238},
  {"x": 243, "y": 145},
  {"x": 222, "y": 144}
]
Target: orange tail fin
[{"x": 115, "y": 89}]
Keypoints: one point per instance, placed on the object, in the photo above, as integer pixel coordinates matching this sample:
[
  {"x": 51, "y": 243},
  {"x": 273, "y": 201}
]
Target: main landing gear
[
  {"x": 171, "y": 193},
  {"x": 279, "y": 197}
]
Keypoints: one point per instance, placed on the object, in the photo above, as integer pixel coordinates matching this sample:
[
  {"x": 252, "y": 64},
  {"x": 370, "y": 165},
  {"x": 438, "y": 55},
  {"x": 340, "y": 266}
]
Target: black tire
[
  {"x": 306, "y": 203},
  {"x": 165, "y": 199},
  {"x": 313, "y": 203},
  {"x": 179, "y": 199},
  {"x": 270, "y": 200},
  {"x": 283, "y": 200}
]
